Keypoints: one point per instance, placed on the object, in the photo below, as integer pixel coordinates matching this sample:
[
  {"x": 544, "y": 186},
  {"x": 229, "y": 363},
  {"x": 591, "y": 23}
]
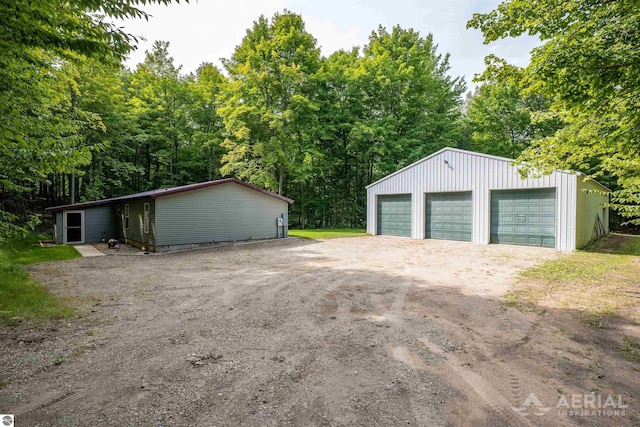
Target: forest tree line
[{"x": 77, "y": 124}]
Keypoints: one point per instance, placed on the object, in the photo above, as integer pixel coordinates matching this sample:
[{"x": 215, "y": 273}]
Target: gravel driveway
[{"x": 362, "y": 331}]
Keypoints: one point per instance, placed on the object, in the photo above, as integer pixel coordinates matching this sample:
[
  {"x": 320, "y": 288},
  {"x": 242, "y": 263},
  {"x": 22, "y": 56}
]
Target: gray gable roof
[
  {"x": 154, "y": 194},
  {"x": 474, "y": 153}
]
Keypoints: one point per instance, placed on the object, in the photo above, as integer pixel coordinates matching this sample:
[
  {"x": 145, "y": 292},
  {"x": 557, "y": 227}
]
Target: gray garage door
[
  {"x": 394, "y": 215},
  {"x": 524, "y": 217},
  {"x": 448, "y": 216}
]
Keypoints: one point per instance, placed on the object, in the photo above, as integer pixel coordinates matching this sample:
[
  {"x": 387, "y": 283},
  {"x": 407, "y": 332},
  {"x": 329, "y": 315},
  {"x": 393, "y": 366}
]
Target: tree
[
  {"x": 411, "y": 101},
  {"x": 499, "y": 122},
  {"x": 39, "y": 121},
  {"x": 159, "y": 100},
  {"x": 379, "y": 110},
  {"x": 158, "y": 128},
  {"x": 589, "y": 66},
  {"x": 499, "y": 115},
  {"x": 267, "y": 101},
  {"x": 40, "y": 126},
  {"x": 335, "y": 195},
  {"x": 317, "y": 129},
  {"x": 206, "y": 95},
  {"x": 101, "y": 91}
]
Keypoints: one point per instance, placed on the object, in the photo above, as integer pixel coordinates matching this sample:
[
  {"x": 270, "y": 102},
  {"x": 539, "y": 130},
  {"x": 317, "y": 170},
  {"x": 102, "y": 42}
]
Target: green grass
[
  {"x": 328, "y": 233},
  {"x": 21, "y": 297},
  {"x": 632, "y": 349},
  {"x": 595, "y": 281},
  {"x": 28, "y": 251}
]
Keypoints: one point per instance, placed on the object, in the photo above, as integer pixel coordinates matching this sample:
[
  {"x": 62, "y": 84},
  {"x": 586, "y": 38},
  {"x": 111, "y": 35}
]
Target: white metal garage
[{"x": 463, "y": 195}]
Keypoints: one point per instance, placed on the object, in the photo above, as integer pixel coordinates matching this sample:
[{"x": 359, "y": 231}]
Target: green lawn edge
[
  {"x": 20, "y": 296},
  {"x": 328, "y": 233},
  {"x": 591, "y": 282}
]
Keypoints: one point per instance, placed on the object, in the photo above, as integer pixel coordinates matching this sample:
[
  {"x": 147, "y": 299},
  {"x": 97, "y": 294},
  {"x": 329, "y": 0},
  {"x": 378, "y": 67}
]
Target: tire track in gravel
[
  {"x": 393, "y": 312},
  {"x": 68, "y": 399},
  {"x": 381, "y": 306},
  {"x": 487, "y": 393},
  {"x": 452, "y": 367}
]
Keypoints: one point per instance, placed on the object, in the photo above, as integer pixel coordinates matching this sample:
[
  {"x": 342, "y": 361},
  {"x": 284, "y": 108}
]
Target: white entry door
[{"x": 73, "y": 226}]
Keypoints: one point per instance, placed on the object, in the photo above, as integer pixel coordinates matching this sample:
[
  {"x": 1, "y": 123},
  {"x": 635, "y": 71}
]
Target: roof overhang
[
  {"x": 154, "y": 194},
  {"x": 472, "y": 153}
]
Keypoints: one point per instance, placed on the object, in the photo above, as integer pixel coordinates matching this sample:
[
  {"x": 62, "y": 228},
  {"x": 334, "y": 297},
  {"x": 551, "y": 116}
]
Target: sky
[{"x": 207, "y": 30}]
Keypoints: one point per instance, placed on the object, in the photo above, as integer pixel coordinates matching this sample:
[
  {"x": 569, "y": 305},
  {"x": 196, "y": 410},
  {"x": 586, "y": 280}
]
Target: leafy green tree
[
  {"x": 378, "y": 111},
  {"x": 39, "y": 133},
  {"x": 153, "y": 120},
  {"x": 267, "y": 103},
  {"x": 317, "y": 129},
  {"x": 101, "y": 90},
  {"x": 500, "y": 124},
  {"x": 588, "y": 65},
  {"x": 159, "y": 100},
  {"x": 499, "y": 118},
  {"x": 206, "y": 90},
  {"x": 334, "y": 196},
  {"x": 411, "y": 101},
  {"x": 39, "y": 120}
]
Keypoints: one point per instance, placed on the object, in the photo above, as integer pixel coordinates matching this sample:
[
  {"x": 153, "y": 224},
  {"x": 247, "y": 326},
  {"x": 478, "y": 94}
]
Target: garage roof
[
  {"x": 473, "y": 153},
  {"x": 154, "y": 194}
]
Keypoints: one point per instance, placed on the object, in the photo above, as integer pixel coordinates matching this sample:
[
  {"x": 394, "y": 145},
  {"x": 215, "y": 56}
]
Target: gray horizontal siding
[
  {"x": 468, "y": 171},
  {"x": 135, "y": 231},
  {"x": 99, "y": 224},
  {"x": 217, "y": 214}
]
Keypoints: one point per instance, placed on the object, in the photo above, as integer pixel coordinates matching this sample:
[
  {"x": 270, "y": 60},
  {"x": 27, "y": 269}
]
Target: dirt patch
[
  {"x": 366, "y": 331},
  {"x": 120, "y": 249}
]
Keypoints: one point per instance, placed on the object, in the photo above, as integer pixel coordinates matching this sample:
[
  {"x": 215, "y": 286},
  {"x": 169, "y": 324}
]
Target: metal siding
[
  {"x": 216, "y": 214},
  {"x": 59, "y": 228},
  {"x": 562, "y": 205},
  {"x": 372, "y": 222},
  {"x": 285, "y": 220},
  {"x": 480, "y": 174},
  {"x": 99, "y": 224},
  {"x": 588, "y": 206}
]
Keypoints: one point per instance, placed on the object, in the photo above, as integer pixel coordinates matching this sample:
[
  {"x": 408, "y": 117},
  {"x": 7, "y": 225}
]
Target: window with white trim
[
  {"x": 146, "y": 217},
  {"x": 126, "y": 216}
]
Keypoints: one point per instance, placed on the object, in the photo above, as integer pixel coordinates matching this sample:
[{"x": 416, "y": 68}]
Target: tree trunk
[
  {"x": 302, "y": 222},
  {"x": 281, "y": 179},
  {"x": 148, "y": 163},
  {"x": 324, "y": 203},
  {"x": 72, "y": 188},
  {"x": 210, "y": 161}
]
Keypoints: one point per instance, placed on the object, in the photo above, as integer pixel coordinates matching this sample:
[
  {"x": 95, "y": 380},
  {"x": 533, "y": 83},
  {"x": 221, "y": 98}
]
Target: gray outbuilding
[
  {"x": 159, "y": 220},
  {"x": 462, "y": 195}
]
